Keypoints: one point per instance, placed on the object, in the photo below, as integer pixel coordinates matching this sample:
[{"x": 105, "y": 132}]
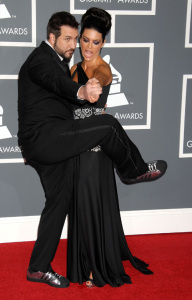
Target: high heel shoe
[{"x": 90, "y": 283}]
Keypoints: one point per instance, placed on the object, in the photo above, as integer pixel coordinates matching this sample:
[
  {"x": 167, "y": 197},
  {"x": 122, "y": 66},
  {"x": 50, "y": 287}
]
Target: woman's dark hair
[
  {"x": 98, "y": 19},
  {"x": 59, "y": 19}
]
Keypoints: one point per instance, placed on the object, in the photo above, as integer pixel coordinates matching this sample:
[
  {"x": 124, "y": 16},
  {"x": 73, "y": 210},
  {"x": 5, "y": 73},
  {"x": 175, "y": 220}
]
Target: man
[{"x": 50, "y": 137}]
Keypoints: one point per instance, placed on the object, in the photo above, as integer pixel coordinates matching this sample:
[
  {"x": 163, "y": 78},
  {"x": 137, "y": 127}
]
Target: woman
[{"x": 96, "y": 242}]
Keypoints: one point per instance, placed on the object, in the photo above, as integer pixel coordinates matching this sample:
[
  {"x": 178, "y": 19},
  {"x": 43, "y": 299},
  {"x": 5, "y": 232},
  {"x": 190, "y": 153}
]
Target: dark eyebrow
[
  {"x": 69, "y": 36},
  {"x": 84, "y": 36}
]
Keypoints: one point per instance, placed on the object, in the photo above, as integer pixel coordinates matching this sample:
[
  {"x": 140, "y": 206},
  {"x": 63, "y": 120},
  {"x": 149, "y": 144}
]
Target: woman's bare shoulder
[{"x": 105, "y": 65}]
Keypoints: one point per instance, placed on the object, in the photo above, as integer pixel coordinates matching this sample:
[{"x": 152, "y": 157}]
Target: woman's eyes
[{"x": 86, "y": 41}]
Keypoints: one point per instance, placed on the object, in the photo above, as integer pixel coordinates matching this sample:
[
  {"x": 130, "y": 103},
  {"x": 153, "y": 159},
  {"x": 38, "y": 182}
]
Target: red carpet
[{"x": 169, "y": 256}]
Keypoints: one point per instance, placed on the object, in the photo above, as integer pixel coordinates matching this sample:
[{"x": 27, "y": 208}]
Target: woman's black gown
[{"x": 96, "y": 240}]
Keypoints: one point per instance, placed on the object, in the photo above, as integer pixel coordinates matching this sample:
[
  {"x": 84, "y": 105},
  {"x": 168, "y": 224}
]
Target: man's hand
[{"x": 91, "y": 91}]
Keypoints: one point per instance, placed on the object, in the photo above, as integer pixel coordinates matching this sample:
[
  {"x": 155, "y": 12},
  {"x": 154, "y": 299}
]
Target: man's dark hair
[{"x": 59, "y": 19}]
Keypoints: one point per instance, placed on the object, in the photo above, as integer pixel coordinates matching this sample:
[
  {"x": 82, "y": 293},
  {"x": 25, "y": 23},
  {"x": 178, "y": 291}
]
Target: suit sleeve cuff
[{"x": 78, "y": 93}]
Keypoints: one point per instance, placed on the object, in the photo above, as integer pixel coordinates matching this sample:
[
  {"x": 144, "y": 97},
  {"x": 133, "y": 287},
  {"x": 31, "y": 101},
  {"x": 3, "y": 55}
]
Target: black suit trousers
[{"x": 54, "y": 164}]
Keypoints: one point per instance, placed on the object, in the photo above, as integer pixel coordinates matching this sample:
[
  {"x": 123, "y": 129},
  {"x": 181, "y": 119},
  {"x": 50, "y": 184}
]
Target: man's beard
[{"x": 65, "y": 58}]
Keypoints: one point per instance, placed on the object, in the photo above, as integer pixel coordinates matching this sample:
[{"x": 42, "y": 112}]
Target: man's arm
[{"x": 44, "y": 72}]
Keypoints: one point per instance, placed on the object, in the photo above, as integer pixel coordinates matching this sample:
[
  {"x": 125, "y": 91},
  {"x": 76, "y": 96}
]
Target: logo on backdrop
[
  {"x": 16, "y": 23},
  {"x": 126, "y": 102},
  {"x": 115, "y": 98},
  {"x": 116, "y": 5},
  {"x": 9, "y": 148},
  {"x": 4, "y": 131},
  {"x": 4, "y": 14}
]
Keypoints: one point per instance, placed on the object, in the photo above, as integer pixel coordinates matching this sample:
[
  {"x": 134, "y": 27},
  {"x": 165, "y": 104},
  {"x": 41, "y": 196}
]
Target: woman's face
[{"x": 91, "y": 44}]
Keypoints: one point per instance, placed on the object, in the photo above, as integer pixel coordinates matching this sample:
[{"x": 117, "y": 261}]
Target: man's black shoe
[
  {"x": 51, "y": 278},
  {"x": 156, "y": 169}
]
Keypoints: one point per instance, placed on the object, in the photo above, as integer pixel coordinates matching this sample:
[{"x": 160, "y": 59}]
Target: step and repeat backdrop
[{"x": 149, "y": 50}]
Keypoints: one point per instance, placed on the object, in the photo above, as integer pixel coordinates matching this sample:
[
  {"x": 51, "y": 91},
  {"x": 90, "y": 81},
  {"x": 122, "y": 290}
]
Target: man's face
[{"x": 66, "y": 43}]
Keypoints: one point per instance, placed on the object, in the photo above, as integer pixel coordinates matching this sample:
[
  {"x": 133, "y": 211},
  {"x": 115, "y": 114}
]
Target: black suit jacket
[{"x": 45, "y": 94}]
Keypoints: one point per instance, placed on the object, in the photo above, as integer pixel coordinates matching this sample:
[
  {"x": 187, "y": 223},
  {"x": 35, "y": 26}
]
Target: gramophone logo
[
  {"x": 8, "y": 145},
  {"x": 4, "y": 131},
  {"x": 18, "y": 23},
  {"x": 10, "y": 152},
  {"x": 116, "y": 97},
  {"x": 4, "y": 14}
]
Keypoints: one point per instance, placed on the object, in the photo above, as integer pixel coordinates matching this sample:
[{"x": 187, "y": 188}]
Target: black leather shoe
[
  {"x": 156, "y": 169},
  {"x": 51, "y": 278}
]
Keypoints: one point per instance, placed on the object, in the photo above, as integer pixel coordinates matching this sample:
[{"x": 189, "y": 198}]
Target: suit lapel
[
  {"x": 56, "y": 58},
  {"x": 64, "y": 66}
]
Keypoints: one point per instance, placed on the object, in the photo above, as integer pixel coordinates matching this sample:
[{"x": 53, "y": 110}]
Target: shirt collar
[{"x": 47, "y": 42}]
